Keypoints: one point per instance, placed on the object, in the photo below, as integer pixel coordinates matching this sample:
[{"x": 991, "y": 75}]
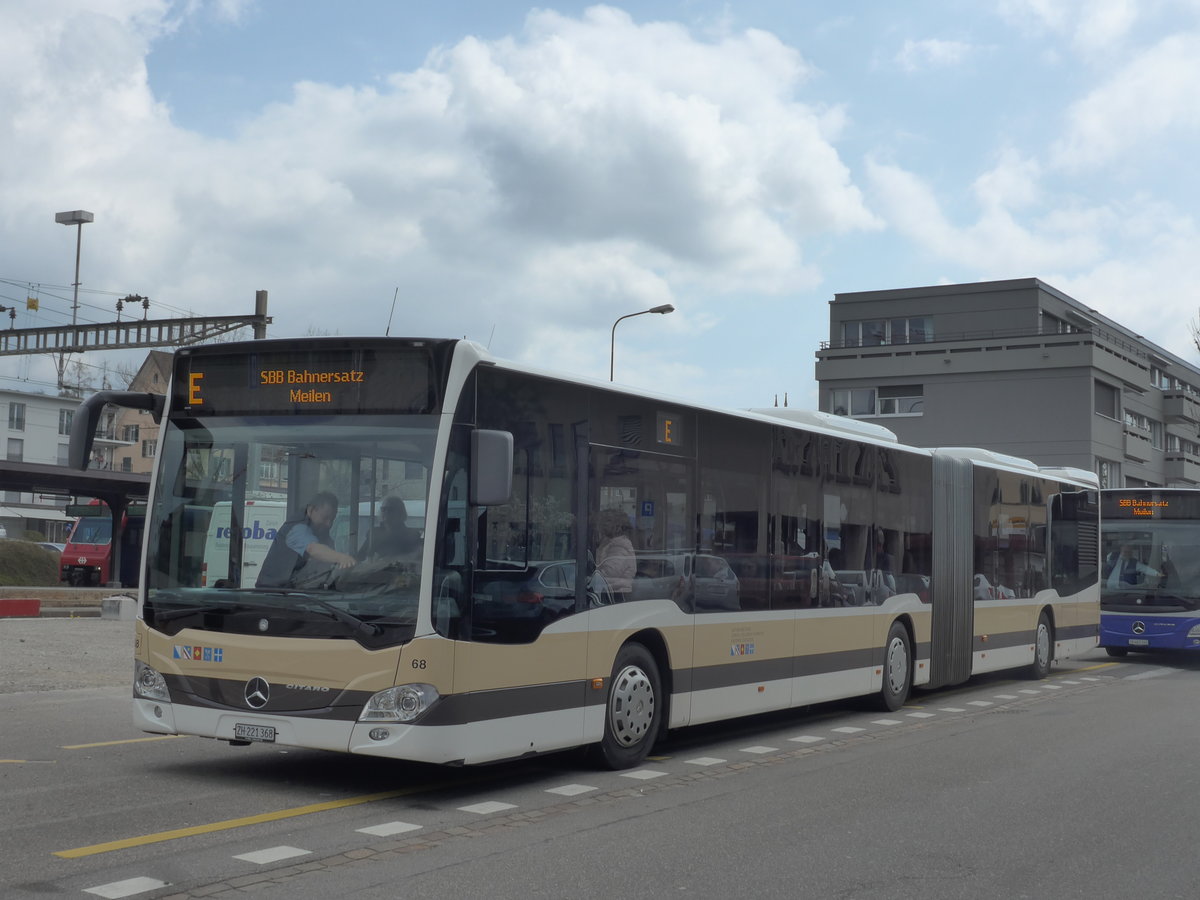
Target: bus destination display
[
  {"x": 1165, "y": 504},
  {"x": 354, "y": 381}
]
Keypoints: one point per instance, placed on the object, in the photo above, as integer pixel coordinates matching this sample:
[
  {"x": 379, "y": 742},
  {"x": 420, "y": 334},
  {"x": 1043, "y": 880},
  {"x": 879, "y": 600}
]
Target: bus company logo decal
[
  {"x": 741, "y": 649},
  {"x": 1139, "y": 627},
  {"x": 257, "y": 692},
  {"x": 198, "y": 654}
]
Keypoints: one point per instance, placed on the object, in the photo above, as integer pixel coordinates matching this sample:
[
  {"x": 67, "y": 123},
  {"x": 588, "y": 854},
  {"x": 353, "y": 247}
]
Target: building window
[
  {"x": 130, "y": 433},
  {"x": 891, "y": 400},
  {"x": 1109, "y": 473},
  {"x": 874, "y": 332},
  {"x": 901, "y": 400},
  {"x": 63, "y": 454},
  {"x": 147, "y": 449},
  {"x": 1156, "y": 435},
  {"x": 16, "y": 449},
  {"x": 126, "y": 463},
  {"x": 1107, "y": 398},
  {"x": 856, "y": 402},
  {"x": 16, "y": 417},
  {"x": 65, "y": 418}
]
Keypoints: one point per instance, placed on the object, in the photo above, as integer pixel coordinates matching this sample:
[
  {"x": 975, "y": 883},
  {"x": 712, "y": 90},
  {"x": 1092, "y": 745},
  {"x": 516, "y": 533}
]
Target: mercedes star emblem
[{"x": 258, "y": 692}]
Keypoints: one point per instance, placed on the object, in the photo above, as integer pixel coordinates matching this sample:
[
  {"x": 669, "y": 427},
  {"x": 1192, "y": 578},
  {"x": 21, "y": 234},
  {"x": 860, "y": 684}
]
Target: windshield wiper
[{"x": 368, "y": 629}]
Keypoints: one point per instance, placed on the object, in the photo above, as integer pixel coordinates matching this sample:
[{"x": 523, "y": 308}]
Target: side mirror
[{"x": 491, "y": 467}]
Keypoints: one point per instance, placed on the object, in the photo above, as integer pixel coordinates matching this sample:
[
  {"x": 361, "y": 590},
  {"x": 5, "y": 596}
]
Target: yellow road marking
[
  {"x": 161, "y": 737},
  {"x": 26, "y": 761},
  {"x": 259, "y": 819}
]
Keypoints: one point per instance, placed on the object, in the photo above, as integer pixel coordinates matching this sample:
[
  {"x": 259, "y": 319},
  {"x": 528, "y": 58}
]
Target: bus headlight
[
  {"x": 148, "y": 683},
  {"x": 1194, "y": 631},
  {"x": 402, "y": 703}
]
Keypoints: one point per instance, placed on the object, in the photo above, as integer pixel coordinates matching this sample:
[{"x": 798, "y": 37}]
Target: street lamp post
[
  {"x": 612, "y": 344},
  {"x": 79, "y": 218}
]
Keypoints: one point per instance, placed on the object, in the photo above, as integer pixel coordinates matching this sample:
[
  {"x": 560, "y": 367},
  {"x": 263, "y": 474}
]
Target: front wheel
[
  {"x": 632, "y": 713},
  {"x": 1117, "y": 651},
  {"x": 897, "y": 668},
  {"x": 1043, "y": 655}
]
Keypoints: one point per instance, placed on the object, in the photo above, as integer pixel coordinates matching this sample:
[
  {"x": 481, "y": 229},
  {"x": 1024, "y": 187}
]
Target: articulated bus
[
  {"x": 1150, "y": 575},
  {"x": 774, "y": 558}
]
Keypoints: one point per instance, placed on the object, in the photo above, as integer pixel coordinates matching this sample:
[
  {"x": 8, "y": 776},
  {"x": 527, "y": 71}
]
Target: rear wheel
[
  {"x": 897, "y": 668},
  {"x": 1043, "y": 641},
  {"x": 632, "y": 712}
]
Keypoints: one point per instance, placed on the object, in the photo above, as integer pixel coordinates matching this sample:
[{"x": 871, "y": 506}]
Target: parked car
[{"x": 52, "y": 546}]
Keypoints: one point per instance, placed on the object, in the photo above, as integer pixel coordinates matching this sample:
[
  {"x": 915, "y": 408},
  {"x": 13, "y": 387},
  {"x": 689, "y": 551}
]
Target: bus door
[
  {"x": 505, "y": 589},
  {"x": 642, "y": 554}
]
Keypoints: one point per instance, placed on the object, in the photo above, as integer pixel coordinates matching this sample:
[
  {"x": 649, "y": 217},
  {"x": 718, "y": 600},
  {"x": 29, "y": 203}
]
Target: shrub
[{"x": 23, "y": 564}]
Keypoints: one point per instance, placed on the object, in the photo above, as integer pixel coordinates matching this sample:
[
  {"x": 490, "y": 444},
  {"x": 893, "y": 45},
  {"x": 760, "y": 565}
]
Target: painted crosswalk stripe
[
  {"x": 644, "y": 774},
  {"x": 387, "y": 829},
  {"x": 1007, "y": 697},
  {"x": 705, "y": 761},
  {"x": 981, "y": 702},
  {"x": 127, "y": 888},
  {"x": 759, "y": 749},
  {"x": 849, "y": 729},
  {"x": 885, "y": 722},
  {"x": 806, "y": 739},
  {"x": 272, "y": 854},
  {"x": 921, "y": 715}
]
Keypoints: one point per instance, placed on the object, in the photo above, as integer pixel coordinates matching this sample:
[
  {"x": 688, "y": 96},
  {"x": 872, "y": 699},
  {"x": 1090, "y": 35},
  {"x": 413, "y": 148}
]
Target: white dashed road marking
[
  {"x": 127, "y": 888},
  {"x": 272, "y": 854},
  {"x": 390, "y": 828},
  {"x": 486, "y": 809},
  {"x": 571, "y": 790}
]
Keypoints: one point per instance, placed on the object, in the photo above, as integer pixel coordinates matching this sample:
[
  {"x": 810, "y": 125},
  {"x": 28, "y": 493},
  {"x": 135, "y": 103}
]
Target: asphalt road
[{"x": 1079, "y": 786}]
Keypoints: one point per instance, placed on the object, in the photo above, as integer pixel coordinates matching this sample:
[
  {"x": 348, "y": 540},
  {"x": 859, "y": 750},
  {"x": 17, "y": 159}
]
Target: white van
[{"x": 260, "y": 523}]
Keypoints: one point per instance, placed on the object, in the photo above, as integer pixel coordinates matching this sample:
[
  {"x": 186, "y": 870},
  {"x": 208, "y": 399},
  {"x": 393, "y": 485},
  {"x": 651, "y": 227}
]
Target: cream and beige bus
[{"x": 581, "y": 565}]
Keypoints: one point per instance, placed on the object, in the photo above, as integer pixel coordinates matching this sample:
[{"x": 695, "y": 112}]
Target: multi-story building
[
  {"x": 136, "y": 429},
  {"x": 1017, "y": 367},
  {"x": 36, "y": 428}
]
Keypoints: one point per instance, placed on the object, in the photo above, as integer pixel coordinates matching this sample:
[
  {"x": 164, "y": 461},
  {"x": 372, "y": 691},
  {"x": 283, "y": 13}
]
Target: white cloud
[
  {"x": 1090, "y": 26},
  {"x": 997, "y": 244},
  {"x": 931, "y": 53},
  {"x": 1148, "y": 97},
  {"x": 541, "y": 177}
]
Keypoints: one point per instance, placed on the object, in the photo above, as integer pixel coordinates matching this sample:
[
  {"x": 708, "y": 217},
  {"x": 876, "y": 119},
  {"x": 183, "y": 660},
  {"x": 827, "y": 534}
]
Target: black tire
[
  {"x": 1043, "y": 648},
  {"x": 897, "y": 668},
  {"x": 632, "y": 710},
  {"x": 1117, "y": 651}
]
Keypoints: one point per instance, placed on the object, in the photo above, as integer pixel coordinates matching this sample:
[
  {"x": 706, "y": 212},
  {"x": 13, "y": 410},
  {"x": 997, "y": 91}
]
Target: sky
[{"x": 524, "y": 176}]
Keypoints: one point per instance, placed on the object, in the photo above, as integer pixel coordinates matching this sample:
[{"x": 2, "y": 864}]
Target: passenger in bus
[
  {"x": 615, "y": 559},
  {"x": 303, "y": 547},
  {"x": 391, "y": 537},
  {"x": 1126, "y": 570}
]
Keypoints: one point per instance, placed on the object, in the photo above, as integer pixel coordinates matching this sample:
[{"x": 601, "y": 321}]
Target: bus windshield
[
  {"x": 242, "y": 503},
  {"x": 1150, "y": 565}
]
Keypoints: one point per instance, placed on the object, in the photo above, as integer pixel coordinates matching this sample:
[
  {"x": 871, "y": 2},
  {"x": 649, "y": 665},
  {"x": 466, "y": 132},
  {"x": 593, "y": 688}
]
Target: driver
[{"x": 303, "y": 541}]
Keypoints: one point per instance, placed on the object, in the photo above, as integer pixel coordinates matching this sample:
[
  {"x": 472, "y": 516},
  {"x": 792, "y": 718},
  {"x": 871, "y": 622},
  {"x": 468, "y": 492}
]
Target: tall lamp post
[
  {"x": 79, "y": 218},
  {"x": 612, "y": 344}
]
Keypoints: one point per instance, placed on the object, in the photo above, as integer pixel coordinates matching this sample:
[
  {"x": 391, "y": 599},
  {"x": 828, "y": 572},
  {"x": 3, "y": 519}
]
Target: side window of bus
[{"x": 643, "y": 541}]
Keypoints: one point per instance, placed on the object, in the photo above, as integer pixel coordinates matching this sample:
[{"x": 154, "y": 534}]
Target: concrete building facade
[{"x": 1018, "y": 367}]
